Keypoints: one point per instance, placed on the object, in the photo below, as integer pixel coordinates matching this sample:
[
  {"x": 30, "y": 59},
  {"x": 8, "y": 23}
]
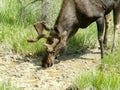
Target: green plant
[
  {"x": 111, "y": 62},
  {"x": 12, "y": 34},
  {"x": 9, "y": 11},
  {"x": 98, "y": 81},
  {"x": 15, "y": 38},
  {"x": 7, "y": 86},
  {"x": 84, "y": 38}
]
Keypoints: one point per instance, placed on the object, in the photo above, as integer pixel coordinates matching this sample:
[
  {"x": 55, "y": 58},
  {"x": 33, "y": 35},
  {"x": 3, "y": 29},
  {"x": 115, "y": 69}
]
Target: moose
[{"x": 75, "y": 14}]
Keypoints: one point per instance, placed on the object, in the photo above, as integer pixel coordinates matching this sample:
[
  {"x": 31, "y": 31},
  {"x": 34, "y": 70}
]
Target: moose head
[{"x": 54, "y": 42}]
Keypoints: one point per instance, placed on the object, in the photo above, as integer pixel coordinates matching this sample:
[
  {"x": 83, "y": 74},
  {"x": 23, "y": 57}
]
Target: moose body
[{"x": 75, "y": 14}]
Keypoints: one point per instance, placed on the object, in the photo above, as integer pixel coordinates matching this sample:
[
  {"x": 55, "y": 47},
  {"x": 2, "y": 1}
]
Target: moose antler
[
  {"x": 39, "y": 27},
  {"x": 62, "y": 40},
  {"x": 55, "y": 45},
  {"x": 50, "y": 47}
]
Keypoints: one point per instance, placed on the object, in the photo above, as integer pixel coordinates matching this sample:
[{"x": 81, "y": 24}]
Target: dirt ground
[{"x": 27, "y": 74}]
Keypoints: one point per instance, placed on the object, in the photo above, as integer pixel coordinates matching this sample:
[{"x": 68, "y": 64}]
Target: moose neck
[{"x": 67, "y": 20}]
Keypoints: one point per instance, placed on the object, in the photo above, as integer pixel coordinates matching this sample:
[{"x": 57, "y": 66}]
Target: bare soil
[{"x": 27, "y": 74}]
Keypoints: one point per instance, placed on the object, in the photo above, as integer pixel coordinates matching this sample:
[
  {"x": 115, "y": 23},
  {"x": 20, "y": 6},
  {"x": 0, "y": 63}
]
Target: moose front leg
[{"x": 100, "y": 28}]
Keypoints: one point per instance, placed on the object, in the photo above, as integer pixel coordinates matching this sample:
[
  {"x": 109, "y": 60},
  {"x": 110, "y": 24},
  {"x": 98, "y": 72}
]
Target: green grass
[
  {"x": 111, "y": 62},
  {"x": 7, "y": 86},
  {"x": 12, "y": 34},
  {"x": 15, "y": 38},
  {"x": 106, "y": 77},
  {"x": 98, "y": 80},
  {"x": 9, "y": 11},
  {"x": 84, "y": 38}
]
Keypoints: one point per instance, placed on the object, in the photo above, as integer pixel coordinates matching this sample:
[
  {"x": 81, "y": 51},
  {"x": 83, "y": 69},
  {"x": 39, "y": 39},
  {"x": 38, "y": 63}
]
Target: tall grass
[
  {"x": 112, "y": 62},
  {"x": 15, "y": 38},
  {"x": 7, "y": 86},
  {"x": 9, "y": 11},
  {"x": 12, "y": 34},
  {"x": 98, "y": 81},
  {"x": 84, "y": 38},
  {"x": 25, "y": 12}
]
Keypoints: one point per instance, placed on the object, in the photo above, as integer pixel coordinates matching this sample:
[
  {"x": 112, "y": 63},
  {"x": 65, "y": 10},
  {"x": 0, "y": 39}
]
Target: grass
[
  {"x": 9, "y": 11},
  {"x": 7, "y": 86},
  {"x": 98, "y": 80},
  {"x": 112, "y": 62},
  {"x": 15, "y": 38},
  {"x": 12, "y": 34},
  {"x": 84, "y": 38},
  {"x": 106, "y": 77}
]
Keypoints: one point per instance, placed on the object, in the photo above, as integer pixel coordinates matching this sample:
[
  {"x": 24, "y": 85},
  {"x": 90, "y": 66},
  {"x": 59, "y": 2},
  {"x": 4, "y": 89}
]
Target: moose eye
[{"x": 52, "y": 52}]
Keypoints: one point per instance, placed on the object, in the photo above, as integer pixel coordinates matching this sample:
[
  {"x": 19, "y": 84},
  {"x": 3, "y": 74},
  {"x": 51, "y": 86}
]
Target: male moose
[{"x": 75, "y": 14}]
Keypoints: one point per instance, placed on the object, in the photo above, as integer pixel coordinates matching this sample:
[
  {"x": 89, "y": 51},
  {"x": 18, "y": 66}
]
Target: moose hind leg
[
  {"x": 107, "y": 24},
  {"x": 116, "y": 16}
]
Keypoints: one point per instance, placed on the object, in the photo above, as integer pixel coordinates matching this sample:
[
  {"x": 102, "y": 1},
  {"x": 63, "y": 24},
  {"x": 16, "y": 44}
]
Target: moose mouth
[{"x": 48, "y": 59}]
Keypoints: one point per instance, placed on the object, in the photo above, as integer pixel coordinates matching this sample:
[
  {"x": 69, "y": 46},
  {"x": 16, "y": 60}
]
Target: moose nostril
[
  {"x": 56, "y": 57},
  {"x": 44, "y": 65}
]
